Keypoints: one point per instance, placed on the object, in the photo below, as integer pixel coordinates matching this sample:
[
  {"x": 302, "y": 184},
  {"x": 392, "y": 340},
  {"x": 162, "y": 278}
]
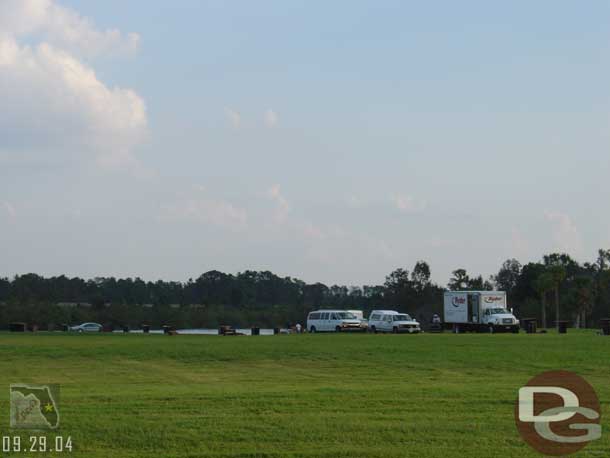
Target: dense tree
[
  {"x": 570, "y": 266},
  {"x": 398, "y": 285},
  {"x": 581, "y": 294},
  {"x": 420, "y": 277},
  {"x": 558, "y": 274},
  {"x": 543, "y": 284},
  {"x": 478, "y": 284},
  {"x": 601, "y": 274},
  {"x": 507, "y": 277},
  {"x": 460, "y": 280},
  {"x": 583, "y": 297}
]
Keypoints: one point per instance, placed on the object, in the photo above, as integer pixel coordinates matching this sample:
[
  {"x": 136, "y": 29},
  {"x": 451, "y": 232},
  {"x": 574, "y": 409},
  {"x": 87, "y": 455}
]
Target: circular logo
[{"x": 558, "y": 413}]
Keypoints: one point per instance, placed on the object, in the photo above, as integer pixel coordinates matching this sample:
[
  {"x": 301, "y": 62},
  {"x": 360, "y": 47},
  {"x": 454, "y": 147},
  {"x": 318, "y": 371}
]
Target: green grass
[{"x": 299, "y": 395}]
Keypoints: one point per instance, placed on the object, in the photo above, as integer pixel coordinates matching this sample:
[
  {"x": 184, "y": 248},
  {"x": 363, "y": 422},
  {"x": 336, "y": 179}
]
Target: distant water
[{"x": 211, "y": 332}]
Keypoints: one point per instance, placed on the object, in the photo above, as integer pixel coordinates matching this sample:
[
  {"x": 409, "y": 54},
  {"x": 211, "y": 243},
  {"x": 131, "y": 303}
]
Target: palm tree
[
  {"x": 543, "y": 284},
  {"x": 584, "y": 296},
  {"x": 558, "y": 274}
]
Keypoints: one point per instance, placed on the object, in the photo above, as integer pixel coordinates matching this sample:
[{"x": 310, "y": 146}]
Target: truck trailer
[{"x": 478, "y": 311}]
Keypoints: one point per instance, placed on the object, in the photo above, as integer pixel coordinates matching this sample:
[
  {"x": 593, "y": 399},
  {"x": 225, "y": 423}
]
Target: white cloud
[
  {"x": 62, "y": 27},
  {"x": 408, "y": 204},
  {"x": 565, "y": 234},
  {"x": 207, "y": 210},
  {"x": 9, "y": 210},
  {"x": 354, "y": 202},
  {"x": 519, "y": 246},
  {"x": 234, "y": 117},
  {"x": 334, "y": 244},
  {"x": 282, "y": 204},
  {"x": 438, "y": 242},
  {"x": 271, "y": 118},
  {"x": 310, "y": 231},
  {"x": 51, "y": 101}
]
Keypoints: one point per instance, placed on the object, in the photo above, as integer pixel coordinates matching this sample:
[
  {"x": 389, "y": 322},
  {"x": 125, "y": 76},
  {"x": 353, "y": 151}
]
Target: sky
[{"x": 328, "y": 141}]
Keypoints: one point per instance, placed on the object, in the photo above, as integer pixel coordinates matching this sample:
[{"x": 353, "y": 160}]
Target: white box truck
[{"x": 481, "y": 311}]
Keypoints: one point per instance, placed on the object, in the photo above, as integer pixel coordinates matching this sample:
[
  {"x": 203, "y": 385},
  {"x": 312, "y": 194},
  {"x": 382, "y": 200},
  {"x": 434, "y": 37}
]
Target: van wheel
[
  {"x": 373, "y": 329},
  {"x": 312, "y": 329},
  {"x": 395, "y": 330},
  {"x": 338, "y": 329}
]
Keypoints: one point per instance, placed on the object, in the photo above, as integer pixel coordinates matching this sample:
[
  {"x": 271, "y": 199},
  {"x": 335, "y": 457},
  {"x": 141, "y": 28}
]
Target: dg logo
[{"x": 558, "y": 413}]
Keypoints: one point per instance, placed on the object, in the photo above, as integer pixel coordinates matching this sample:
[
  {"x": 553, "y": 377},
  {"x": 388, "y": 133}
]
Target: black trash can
[
  {"x": 276, "y": 331},
  {"x": 435, "y": 327},
  {"x": 65, "y": 327},
  {"x": 125, "y": 329},
  {"x": 256, "y": 331},
  {"x": 530, "y": 325},
  {"x": 562, "y": 327},
  {"x": 145, "y": 328},
  {"x": 166, "y": 329},
  {"x": 605, "y": 326}
]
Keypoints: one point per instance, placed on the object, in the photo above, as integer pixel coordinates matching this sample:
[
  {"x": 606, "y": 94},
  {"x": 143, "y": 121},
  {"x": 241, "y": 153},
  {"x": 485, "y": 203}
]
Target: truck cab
[
  {"x": 498, "y": 318},
  {"x": 479, "y": 311}
]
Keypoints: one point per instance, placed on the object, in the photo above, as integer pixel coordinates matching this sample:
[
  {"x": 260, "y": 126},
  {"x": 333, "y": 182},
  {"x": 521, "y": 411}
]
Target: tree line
[{"x": 556, "y": 287}]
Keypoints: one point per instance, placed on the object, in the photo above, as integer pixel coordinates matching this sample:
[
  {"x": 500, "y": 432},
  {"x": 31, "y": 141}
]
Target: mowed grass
[{"x": 297, "y": 395}]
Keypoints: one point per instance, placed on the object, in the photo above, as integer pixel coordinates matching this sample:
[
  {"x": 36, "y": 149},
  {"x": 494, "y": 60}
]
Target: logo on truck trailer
[
  {"x": 492, "y": 299},
  {"x": 458, "y": 300},
  {"x": 558, "y": 413}
]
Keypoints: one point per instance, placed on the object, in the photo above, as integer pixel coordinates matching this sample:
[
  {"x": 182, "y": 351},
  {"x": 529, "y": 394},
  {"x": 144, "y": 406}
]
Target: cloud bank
[
  {"x": 565, "y": 233},
  {"x": 271, "y": 118},
  {"x": 63, "y": 28},
  {"x": 52, "y": 101},
  {"x": 282, "y": 206}
]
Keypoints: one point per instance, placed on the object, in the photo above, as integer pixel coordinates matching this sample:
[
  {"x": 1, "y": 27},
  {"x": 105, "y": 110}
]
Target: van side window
[
  {"x": 314, "y": 316},
  {"x": 375, "y": 317},
  {"x": 334, "y": 316},
  {"x": 387, "y": 318},
  {"x": 324, "y": 316}
]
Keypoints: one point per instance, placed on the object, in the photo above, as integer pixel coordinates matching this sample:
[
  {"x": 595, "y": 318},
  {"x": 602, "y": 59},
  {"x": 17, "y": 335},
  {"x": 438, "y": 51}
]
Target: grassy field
[{"x": 297, "y": 395}]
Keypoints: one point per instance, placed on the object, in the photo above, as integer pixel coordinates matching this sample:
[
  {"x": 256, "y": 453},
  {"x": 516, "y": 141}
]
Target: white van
[
  {"x": 334, "y": 321},
  {"x": 359, "y": 314},
  {"x": 392, "y": 321}
]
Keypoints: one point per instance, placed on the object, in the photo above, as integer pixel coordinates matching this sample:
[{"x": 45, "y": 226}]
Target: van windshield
[
  {"x": 497, "y": 311},
  {"x": 346, "y": 316},
  {"x": 402, "y": 317}
]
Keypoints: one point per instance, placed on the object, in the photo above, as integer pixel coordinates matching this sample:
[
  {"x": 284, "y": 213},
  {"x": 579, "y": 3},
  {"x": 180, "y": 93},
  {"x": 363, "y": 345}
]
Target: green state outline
[{"x": 34, "y": 390}]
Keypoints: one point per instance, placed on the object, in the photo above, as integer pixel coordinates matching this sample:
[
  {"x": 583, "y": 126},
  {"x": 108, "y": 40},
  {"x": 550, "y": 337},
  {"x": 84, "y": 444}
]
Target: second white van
[{"x": 392, "y": 321}]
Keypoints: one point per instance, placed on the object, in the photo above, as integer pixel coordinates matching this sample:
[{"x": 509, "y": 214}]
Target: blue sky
[{"x": 331, "y": 141}]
